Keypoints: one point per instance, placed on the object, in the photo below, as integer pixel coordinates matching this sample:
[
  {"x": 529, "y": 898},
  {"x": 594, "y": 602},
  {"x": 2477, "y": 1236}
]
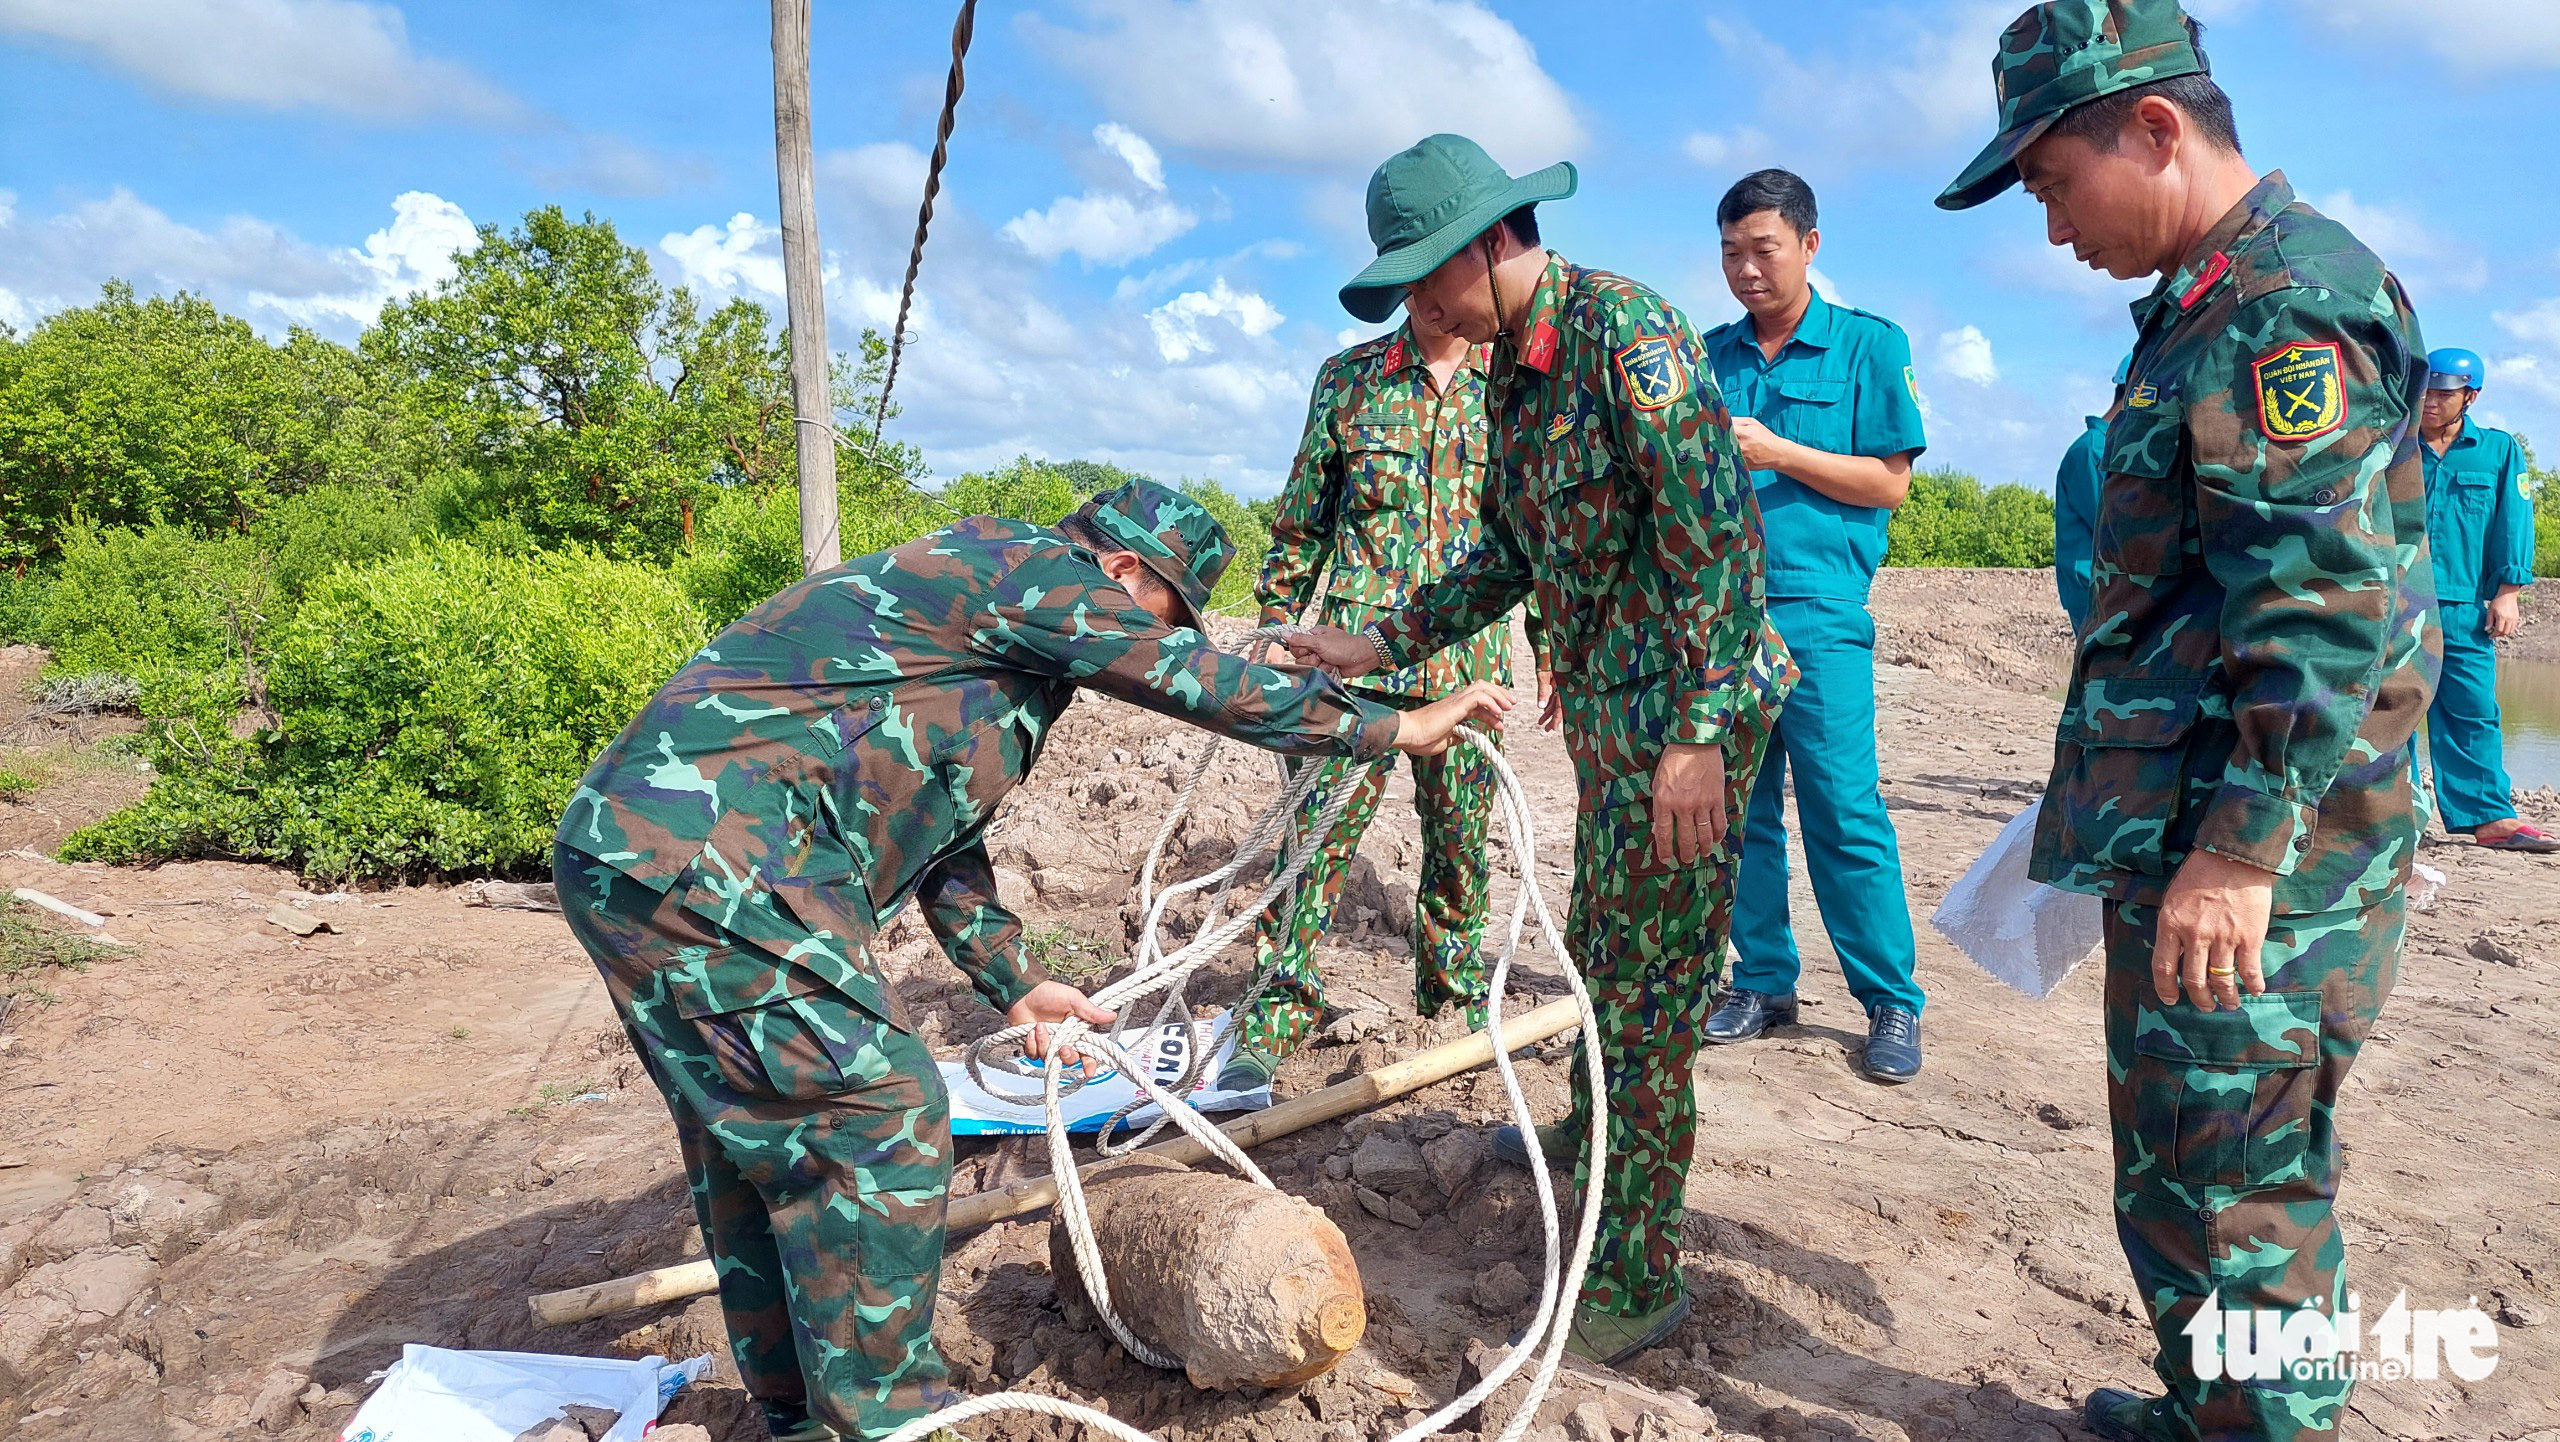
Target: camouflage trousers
[
  {"x": 1453, "y": 795},
  {"x": 817, "y": 1138},
  {"x": 2227, "y": 1151},
  {"x": 1650, "y": 940}
]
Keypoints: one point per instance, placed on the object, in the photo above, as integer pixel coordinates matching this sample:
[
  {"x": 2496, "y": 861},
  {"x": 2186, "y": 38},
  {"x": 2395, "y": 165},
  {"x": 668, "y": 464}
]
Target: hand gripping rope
[{"x": 1157, "y": 971}]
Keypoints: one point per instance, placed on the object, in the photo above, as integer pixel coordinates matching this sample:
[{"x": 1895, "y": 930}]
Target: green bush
[
  {"x": 304, "y": 537},
  {"x": 22, "y": 597},
  {"x": 1949, "y": 519},
  {"x": 157, "y": 603},
  {"x": 436, "y": 709},
  {"x": 746, "y": 546}
]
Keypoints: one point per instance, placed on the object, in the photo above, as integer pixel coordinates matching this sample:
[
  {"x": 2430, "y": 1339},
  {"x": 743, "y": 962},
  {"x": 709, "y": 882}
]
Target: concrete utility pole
[{"x": 804, "y": 288}]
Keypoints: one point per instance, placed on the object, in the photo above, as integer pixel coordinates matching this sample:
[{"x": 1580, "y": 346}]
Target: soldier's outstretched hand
[
  {"x": 1055, "y": 1001},
  {"x": 1427, "y": 730},
  {"x": 1338, "y": 651}
]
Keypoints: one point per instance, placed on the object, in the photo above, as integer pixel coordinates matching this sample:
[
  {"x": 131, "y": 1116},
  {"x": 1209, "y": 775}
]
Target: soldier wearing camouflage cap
[
  {"x": 1619, "y": 499},
  {"x": 838, "y": 751},
  {"x": 2234, "y": 770}
]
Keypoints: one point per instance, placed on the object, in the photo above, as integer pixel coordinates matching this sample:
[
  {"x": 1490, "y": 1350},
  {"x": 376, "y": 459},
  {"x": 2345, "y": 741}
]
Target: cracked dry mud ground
[{"x": 241, "y": 1169}]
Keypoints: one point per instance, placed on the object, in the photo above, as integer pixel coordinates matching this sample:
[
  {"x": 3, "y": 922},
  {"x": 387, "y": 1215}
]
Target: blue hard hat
[
  {"x": 2455, "y": 369},
  {"x": 2124, "y": 369}
]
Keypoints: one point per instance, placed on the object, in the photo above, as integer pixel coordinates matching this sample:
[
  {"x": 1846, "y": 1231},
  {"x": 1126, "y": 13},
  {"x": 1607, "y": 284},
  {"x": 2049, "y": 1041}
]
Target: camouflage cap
[
  {"x": 2064, "y": 54},
  {"x": 1174, "y": 534}
]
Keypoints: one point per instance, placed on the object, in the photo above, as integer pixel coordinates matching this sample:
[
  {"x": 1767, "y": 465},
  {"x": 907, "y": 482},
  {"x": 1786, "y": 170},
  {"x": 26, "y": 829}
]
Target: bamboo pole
[
  {"x": 804, "y": 288},
  {"x": 1369, "y": 1089}
]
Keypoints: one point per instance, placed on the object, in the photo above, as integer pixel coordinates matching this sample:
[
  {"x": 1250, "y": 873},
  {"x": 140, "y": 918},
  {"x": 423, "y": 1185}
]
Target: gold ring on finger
[{"x": 2221, "y": 971}]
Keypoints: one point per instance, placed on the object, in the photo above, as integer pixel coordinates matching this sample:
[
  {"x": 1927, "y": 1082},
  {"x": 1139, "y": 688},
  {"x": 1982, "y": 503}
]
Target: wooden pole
[
  {"x": 804, "y": 288},
  {"x": 1369, "y": 1089}
]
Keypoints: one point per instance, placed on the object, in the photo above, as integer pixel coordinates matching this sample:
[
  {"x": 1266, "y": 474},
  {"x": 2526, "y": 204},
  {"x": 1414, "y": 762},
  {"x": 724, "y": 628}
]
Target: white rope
[{"x": 1155, "y": 970}]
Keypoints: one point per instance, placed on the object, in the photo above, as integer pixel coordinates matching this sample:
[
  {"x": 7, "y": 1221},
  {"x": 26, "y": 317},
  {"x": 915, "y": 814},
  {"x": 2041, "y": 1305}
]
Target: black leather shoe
[
  {"x": 1893, "y": 1045},
  {"x": 1747, "y": 1013}
]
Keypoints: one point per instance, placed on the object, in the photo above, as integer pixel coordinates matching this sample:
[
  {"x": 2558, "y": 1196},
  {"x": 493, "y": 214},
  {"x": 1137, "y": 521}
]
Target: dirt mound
[{"x": 244, "y": 1167}]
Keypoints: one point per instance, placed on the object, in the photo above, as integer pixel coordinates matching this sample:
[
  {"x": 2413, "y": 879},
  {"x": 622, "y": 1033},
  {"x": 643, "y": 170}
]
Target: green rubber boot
[
  {"x": 2121, "y": 1416},
  {"x": 1250, "y": 1068},
  {"x": 1609, "y": 1339}
]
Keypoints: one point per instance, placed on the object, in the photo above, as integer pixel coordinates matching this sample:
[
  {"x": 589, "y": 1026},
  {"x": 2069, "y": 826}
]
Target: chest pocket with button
[
  {"x": 1383, "y": 466},
  {"x": 2459, "y": 505},
  {"x": 2146, "y": 525},
  {"x": 1584, "y": 515},
  {"x": 1813, "y": 413}
]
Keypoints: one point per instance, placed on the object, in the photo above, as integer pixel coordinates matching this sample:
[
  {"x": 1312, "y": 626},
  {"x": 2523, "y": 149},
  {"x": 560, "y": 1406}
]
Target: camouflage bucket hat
[
  {"x": 1177, "y": 538},
  {"x": 2064, "y": 54},
  {"x": 1427, "y": 202}
]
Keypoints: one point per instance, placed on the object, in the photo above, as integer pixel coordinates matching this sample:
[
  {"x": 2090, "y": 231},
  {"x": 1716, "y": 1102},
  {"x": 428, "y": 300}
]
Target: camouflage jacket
[
  {"x": 1619, "y": 497},
  {"x": 844, "y": 745},
  {"x": 1389, "y": 488},
  {"x": 2261, "y": 637}
]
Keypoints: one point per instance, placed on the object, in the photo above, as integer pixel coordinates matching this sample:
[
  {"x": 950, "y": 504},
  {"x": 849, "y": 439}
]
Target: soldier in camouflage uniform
[
  {"x": 840, "y": 750},
  {"x": 2234, "y": 767},
  {"x": 1388, "y": 487},
  {"x": 1618, "y": 497}
]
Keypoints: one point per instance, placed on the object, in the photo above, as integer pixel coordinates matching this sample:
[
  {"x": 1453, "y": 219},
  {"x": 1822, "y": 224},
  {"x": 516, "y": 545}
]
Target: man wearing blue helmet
[
  {"x": 2075, "y": 510},
  {"x": 2480, "y": 524}
]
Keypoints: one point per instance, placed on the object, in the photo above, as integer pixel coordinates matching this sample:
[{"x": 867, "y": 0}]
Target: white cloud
[
  {"x": 1316, "y": 84},
  {"x": 343, "y": 56},
  {"x": 1741, "y": 150},
  {"x": 1181, "y": 324},
  {"x": 1823, "y": 286},
  {"x": 743, "y": 255},
  {"x": 610, "y": 165},
  {"x": 2471, "y": 35},
  {"x": 2536, "y": 325},
  {"x": 1098, "y": 229},
  {"x": 2426, "y": 259},
  {"x": 1905, "y": 89},
  {"x": 1965, "y": 353},
  {"x": 247, "y": 265},
  {"x": 1101, "y": 227},
  {"x": 1130, "y": 146}
]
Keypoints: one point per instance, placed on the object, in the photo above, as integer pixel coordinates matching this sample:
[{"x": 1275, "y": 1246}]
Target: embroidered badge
[
  {"x": 1561, "y": 426},
  {"x": 1911, "y": 383},
  {"x": 1395, "y": 356},
  {"x": 1652, "y": 373},
  {"x": 2143, "y": 397},
  {"x": 2299, "y": 395}
]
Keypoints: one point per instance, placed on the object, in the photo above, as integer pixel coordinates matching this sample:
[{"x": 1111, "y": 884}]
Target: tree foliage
[
  {"x": 135, "y": 413},
  {"x": 1949, "y": 519}
]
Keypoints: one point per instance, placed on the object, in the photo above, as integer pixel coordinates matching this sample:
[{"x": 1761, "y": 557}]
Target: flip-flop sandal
[{"x": 2526, "y": 839}]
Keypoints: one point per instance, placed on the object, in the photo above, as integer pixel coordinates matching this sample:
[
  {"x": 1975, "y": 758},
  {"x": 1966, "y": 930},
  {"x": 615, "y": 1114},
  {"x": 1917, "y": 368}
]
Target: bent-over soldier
[{"x": 837, "y": 751}]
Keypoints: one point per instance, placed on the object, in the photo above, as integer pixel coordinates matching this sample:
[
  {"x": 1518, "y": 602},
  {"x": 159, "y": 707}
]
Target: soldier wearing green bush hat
[
  {"x": 2234, "y": 773},
  {"x": 1619, "y": 499},
  {"x": 836, "y": 753}
]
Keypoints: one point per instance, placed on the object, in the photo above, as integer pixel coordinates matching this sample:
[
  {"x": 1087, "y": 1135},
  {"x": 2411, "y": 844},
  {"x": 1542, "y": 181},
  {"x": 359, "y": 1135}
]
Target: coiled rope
[{"x": 1155, "y": 970}]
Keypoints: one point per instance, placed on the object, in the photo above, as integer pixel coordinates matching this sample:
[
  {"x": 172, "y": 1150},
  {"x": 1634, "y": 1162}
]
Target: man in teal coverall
[
  {"x": 2075, "y": 512},
  {"x": 2480, "y": 520},
  {"x": 1827, "y": 414}
]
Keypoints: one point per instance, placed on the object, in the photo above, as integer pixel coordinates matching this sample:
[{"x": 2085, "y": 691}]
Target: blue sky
[{"x": 1150, "y": 203}]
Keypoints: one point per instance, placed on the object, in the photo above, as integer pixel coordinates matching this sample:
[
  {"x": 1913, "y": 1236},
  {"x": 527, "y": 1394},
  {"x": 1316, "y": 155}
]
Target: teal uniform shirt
[
  {"x": 2075, "y": 521},
  {"x": 2479, "y": 515},
  {"x": 1842, "y": 384}
]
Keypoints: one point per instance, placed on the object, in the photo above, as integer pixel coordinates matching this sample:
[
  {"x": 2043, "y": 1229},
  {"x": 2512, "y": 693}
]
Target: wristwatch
[{"x": 1378, "y": 642}]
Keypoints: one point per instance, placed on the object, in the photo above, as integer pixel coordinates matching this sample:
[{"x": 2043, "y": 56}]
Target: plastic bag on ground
[
  {"x": 435, "y": 1395},
  {"x": 975, "y": 1112},
  {"x": 2020, "y": 930}
]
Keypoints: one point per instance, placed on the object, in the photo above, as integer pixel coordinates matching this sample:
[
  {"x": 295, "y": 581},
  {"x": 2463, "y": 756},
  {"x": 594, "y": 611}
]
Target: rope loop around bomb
[{"x": 1156, "y": 971}]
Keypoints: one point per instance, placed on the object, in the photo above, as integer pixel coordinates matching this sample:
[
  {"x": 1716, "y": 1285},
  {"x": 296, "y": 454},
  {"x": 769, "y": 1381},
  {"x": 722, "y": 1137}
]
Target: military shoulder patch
[
  {"x": 1652, "y": 372},
  {"x": 1561, "y": 426},
  {"x": 2300, "y": 393},
  {"x": 1911, "y": 383}
]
